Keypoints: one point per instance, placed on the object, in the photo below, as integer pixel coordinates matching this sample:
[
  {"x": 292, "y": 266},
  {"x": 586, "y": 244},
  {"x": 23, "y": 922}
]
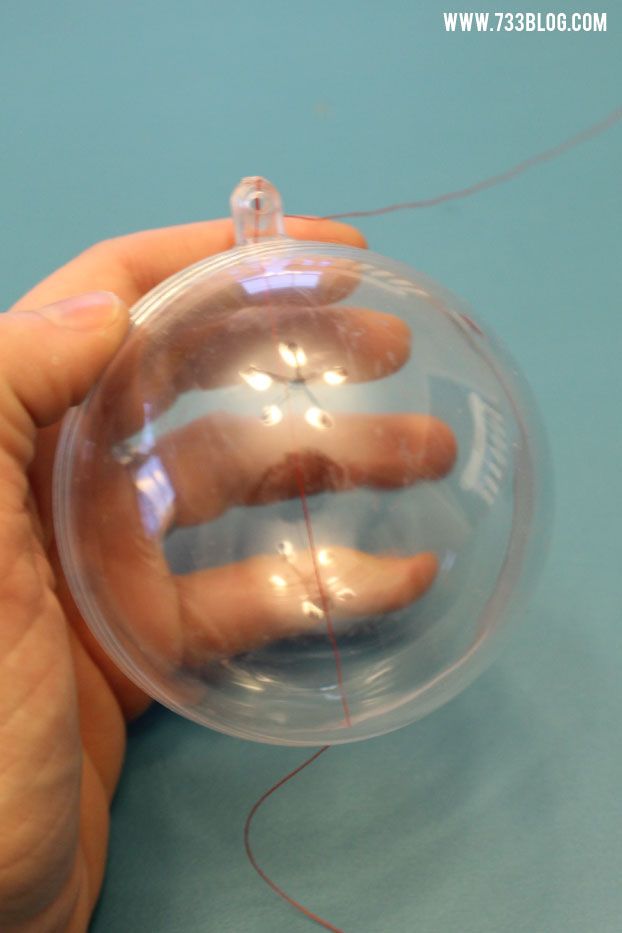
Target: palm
[{"x": 62, "y": 722}]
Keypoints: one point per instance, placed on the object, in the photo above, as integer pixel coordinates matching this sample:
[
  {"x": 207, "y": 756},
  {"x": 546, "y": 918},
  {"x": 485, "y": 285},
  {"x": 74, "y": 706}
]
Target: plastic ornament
[{"x": 307, "y": 494}]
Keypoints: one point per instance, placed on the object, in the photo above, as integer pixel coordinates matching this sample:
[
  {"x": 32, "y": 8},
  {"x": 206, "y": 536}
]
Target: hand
[
  {"x": 63, "y": 704},
  {"x": 142, "y": 480}
]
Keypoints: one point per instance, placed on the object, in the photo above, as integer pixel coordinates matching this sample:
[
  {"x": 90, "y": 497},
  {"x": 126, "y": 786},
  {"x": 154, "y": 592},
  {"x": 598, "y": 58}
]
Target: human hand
[
  {"x": 63, "y": 704},
  {"x": 140, "y": 479}
]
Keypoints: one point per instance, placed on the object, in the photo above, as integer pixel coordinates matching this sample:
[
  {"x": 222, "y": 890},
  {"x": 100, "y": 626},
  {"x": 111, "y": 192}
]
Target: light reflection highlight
[
  {"x": 318, "y": 418},
  {"x": 292, "y": 355},
  {"x": 272, "y": 415},
  {"x": 336, "y": 376},
  {"x": 256, "y": 379},
  {"x": 156, "y": 497}
]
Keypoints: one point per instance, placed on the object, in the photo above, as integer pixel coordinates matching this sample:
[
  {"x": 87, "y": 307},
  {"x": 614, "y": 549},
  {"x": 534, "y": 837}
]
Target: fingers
[
  {"x": 131, "y": 265},
  {"x": 196, "y": 473},
  {"x": 249, "y": 463},
  {"x": 361, "y": 344},
  {"x": 211, "y": 350},
  {"x": 50, "y": 358},
  {"x": 242, "y": 607},
  {"x": 237, "y": 607},
  {"x": 192, "y": 620}
]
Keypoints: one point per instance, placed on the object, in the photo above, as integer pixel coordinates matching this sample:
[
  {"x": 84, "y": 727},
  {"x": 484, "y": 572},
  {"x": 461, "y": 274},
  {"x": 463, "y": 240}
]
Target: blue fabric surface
[{"x": 501, "y": 812}]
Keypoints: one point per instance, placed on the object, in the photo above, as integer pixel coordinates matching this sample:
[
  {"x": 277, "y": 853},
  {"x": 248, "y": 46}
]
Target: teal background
[{"x": 501, "y": 812}]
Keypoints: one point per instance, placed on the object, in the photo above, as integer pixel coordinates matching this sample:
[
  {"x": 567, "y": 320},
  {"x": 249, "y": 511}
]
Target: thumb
[{"x": 50, "y": 358}]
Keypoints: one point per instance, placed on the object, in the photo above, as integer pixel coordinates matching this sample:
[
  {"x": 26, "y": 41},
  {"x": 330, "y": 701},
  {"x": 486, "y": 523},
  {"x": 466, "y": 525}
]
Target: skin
[{"x": 63, "y": 704}]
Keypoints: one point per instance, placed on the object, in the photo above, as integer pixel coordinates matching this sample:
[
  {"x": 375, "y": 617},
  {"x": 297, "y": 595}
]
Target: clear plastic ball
[{"x": 307, "y": 493}]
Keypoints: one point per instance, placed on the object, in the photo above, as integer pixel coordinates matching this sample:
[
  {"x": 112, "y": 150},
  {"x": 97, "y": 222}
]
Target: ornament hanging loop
[{"x": 257, "y": 211}]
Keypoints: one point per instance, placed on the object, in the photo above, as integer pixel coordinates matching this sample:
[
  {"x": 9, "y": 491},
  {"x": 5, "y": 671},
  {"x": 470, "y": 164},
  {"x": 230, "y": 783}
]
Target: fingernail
[{"x": 94, "y": 310}]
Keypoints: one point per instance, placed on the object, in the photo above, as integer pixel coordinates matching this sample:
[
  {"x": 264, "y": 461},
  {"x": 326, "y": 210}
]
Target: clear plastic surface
[{"x": 307, "y": 493}]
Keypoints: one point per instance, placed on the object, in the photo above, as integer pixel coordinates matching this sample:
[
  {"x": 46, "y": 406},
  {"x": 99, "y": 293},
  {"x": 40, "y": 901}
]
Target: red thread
[
  {"x": 251, "y": 857},
  {"x": 330, "y": 629},
  {"x": 554, "y": 152},
  {"x": 338, "y": 666},
  {"x": 325, "y": 605}
]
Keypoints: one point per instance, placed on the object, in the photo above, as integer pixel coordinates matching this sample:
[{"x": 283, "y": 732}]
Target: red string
[
  {"x": 251, "y": 857},
  {"x": 300, "y": 481},
  {"x": 553, "y": 153},
  {"x": 330, "y": 628},
  {"x": 338, "y": 666}
]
